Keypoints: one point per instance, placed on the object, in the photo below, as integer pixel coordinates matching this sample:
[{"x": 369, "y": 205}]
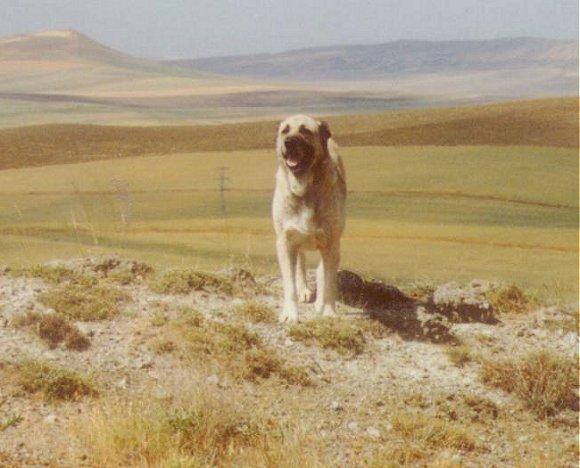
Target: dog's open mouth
[{"x": 299, "y": 158}]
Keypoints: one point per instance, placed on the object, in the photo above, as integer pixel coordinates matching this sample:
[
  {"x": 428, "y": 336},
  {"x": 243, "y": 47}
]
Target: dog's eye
[
  {"x": 286, "y": 129},
  {"x": 304, "y": 131}
]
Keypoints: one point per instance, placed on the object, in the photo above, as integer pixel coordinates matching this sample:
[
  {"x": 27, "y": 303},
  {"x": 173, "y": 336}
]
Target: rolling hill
[
  {"x": 379, "y": 60},
  {"x": 549, "y": 122},
  {"x": 64, "y": 76}
]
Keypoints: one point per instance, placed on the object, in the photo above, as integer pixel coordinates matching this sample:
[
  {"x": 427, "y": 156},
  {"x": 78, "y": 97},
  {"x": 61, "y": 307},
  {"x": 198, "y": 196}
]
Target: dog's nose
[{"x": 291, "y": 142}]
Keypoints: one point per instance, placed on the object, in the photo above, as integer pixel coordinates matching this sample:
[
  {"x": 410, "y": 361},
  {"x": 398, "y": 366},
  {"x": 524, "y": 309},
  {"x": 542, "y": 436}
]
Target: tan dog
[{"x": 308, "y": 211}]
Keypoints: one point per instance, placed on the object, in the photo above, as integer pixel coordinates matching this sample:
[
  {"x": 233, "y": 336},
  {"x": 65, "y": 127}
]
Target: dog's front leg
[
  {"x": 330, "y": 262},
  {"x": 302, "y": 290},
  {"x": 287, "y": 256}
]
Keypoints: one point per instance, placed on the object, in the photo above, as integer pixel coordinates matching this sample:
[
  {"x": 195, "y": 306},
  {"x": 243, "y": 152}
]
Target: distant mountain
[
  {"x": 63, "y": 48},
  {"x": 362, "y": 62},
  {"x": 65, "y": 76}
]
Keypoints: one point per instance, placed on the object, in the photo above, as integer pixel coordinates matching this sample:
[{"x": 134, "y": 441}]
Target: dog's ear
[{"x": 324, "y": 131}]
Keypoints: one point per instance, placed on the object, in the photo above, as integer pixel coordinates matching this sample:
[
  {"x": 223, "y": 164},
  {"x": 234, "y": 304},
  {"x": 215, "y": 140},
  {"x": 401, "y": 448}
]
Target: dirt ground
[{"x": 350, "y": 412}]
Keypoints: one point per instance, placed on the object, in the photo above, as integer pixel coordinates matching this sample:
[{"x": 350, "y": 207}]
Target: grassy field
[
  {"x": 547, "y": 122},
  {"x": 414, "y": 213}
]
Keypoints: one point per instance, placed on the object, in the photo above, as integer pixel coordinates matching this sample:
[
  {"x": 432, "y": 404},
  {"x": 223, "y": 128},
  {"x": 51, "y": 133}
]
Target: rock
[
  {"x": 464, "y": 304},
  {"x": 352, "y": 426},
  {"x": 105, "y": 266},
  {"x": 123, "y": 383},
  {"x": 50, "y": 419},
  {"x": 336, "y": 406},
  {"x": 212, "y": 380},
  {"x": 373, "y": 432},
  {"x": 358, "y": 292},
  {"x": 240, "y": 277},
  {"x": 434, "y": 326}
]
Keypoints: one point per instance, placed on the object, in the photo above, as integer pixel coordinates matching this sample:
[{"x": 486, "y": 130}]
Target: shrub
[
  {"x": 186, "y": 281},
  {"x": 87, "y": 303},
  {"x": 54, "y": 329},
  {"x": 459, "y": 355},
  {"x": 55, "y": 383},
  {"x": 256, "y": 312},
  {"x": 344, "y": 336},
  {"x": 546, "y": 382},
  {"x": 509, "y": 300}
]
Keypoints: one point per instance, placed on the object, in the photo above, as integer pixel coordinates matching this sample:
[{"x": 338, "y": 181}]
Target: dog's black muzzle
[{"x": 298, "y": 154}]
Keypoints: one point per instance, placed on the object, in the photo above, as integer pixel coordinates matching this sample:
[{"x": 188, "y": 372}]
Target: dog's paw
[
  {"x": 289, "y": 314},
  {"x": 318, "y": 305},
  {"x": 305, "y": 295},
  {"x": 328, "y": 311}
]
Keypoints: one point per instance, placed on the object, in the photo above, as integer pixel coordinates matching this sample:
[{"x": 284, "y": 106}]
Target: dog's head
[{"x": 302, "y": 143}]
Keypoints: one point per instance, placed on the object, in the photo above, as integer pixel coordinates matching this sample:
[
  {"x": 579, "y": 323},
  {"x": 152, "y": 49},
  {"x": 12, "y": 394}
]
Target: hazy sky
[{"x": 195, "y": 28}]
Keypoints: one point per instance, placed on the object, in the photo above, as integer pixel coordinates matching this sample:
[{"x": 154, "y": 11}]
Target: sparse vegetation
[
  {"x": 509, "y": 300},
  {"x": 55, "y": 383},
  {"x": 344, "y": 336},
  {"x": 459, "y": 354},
  {"x": 186, "y": 281},
  {"x": 545, "y": 382},
  {"x": 54, "y": 329},
  {"x": 200, "y": 430},
  {"x": 10, "y": 421},
  {"x": 256, "y": 312},
  {"x": 52, "y": 274},
  {"x": 163, "y": 346},
  {"x": 425, "y": 431},
  {"x": 232, "y": 346},
  {"x": 86, "y": 303},
  {"x": 159, "y": 318}
]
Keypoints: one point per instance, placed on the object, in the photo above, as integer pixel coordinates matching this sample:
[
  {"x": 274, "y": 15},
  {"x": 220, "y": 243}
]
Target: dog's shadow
[{"x": 408, "y": 317}]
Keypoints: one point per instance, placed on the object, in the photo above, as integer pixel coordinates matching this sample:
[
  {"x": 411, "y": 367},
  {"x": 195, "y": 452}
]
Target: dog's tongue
[{"x": 291, "y": 162}]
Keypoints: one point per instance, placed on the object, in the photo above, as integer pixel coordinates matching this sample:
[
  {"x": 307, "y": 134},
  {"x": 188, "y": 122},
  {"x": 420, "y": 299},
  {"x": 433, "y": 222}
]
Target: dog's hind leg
[
  {"x": 319, "y": 303},
  {"x": 302, "y": 290},
  {"x": 330, "y": 262},
  {"x": 287, "y": 257}
]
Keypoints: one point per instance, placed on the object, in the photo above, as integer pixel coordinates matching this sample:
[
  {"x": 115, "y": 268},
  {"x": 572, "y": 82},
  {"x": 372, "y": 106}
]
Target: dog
[{"x": 308, "y": 211}]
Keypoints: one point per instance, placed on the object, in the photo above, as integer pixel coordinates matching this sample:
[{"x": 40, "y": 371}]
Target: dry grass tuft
[
  {"x": 256, "y": 312},
  {"x": 344, "y": 336},
  {"x": 86, "y": 303},
  {"x": 200, "y": 429},
  {"x": 231, "y": 346},
  {"x": 433, "y": 433},
  {"x": 163, "y": 346},
  {"x": 459, "y": 355},
  {"x": 54, "y": 329},
  {"x": 159, "y": 318},
  {"x": 264, "y": 363},
  {"x": 546, "y": 382},
  {"x": 186, "y": 281},
  {"x": 55, "y": 383},
  {"x": 510, "y": 300},
  {"x": 56, "y": 274}
]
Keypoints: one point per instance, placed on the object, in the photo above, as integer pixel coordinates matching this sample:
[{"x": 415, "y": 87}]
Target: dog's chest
[{"x": 301, "y": 227}]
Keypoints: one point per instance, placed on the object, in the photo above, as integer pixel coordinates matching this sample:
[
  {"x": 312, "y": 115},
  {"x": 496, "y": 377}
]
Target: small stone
[
  {"x": 147, "y": 364},
  {"x": 373, "y": 432},
  {"x": 352, "y": 426},
  {"x": 336, "y": 406},
  {"x": 123, "y": 383},
  {"x": 288, "y": 342},
  {"x": 212, "y": 379},
  {"x": 50, "y": 419}
]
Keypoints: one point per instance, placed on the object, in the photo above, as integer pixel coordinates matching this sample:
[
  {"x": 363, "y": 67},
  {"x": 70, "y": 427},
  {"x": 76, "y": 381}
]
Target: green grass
[{"x": 414, "y": 213}]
